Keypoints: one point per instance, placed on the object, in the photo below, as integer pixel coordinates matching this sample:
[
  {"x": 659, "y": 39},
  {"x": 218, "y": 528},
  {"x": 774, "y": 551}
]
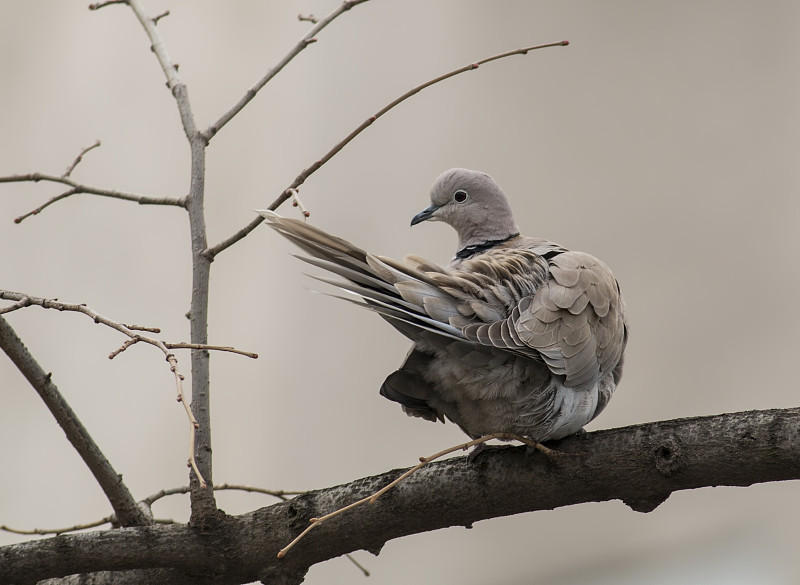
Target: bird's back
[
  {"x": 516, "y": 335},
  {"x": 545, "y": 333}
]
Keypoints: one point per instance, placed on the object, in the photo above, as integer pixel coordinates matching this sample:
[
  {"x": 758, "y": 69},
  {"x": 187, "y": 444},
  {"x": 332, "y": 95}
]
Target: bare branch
[
  {"x": 204, "y": 508},
  {"x": 159, "y": 17},
  {"x": 143, "y": 328},
  {"x": 56, "y": 531},
  {"x": 20, "y": 304},
  {"x": 299, "y": 204},
  {"x": 170, "y": 70},
  {"x": 99, "y": 5},
  {"x": 79, "y": 158},
  {"x": 242, "y": 233},
  {"x": 301, "y": 178},
  {"x": 134, "y": 338},
  {"x": 80, "y": 188},
  {"x": 307, "y": 39},
  {"x": 123, "y": 347},
  {"x": 280, "y": 494},
  {"x": 125, "y": 508},
  {"x": 369, "y": 121},
  {"x": 204, "y": 346},
  {"x": 157, "y": 45},
  {"x": 423, "y": 461},
  {"x": 640, "y": 465},
  {"x": 80, "y": 308},
  {"x": 193, "y": 424}
]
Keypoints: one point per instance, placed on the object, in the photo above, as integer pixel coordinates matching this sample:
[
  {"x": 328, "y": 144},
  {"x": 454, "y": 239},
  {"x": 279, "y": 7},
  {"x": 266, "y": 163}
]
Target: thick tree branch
[
  {"x": 308, "y": 38},
  {"x": 640, "y": 465},
  {"x": 128, "y": 513},
  {"x": 301, "y": 178},
  {"x": 204, "y": 507}
]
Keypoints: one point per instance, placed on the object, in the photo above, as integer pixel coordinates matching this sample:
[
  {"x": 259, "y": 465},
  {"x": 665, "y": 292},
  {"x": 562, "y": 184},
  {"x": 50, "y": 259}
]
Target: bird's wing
[
  {"x": 564, "y": 310},
  {"x": 386, "y": 286},
  {"x": 576, "y": 320}
]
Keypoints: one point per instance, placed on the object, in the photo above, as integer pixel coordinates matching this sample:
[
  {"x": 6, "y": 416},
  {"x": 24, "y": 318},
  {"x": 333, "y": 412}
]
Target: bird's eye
[{"x": 460, "y": 196}]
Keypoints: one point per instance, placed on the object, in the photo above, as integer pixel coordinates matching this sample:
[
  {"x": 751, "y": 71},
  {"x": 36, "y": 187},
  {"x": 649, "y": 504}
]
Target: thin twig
[
  {"x": 357, "y": 564},
  {"x": 143, "y": 328},
  {"x": 301, "y": 178},
  {"x": 280, "y": 494},
  {"x": 183, "y": 345},
  {"x": 80, "y": 188},
  {"x": 170, "y": 69},
  {"x": 423, "y": 461},
  {"x": 193, "y": 424},
  {"x": 99, "y": 5},
  {"x": 123, "y": 347},
  {"x": 79, "y": 158},
  {"x": 98, "y": 318},
  {"x": 156, "y": 45},
  {"x": 309, "y": 18},
  {"x": 159, "y": 17},
  {"x": 307, "y": 39},
  {"x": 106, "y": 520},
  {"x": 24, "y": 302},
  {"x": 299, "y": 204}
]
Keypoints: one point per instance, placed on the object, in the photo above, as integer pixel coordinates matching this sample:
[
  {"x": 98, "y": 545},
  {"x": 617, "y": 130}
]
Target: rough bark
[{"x": 640, "y": 465}]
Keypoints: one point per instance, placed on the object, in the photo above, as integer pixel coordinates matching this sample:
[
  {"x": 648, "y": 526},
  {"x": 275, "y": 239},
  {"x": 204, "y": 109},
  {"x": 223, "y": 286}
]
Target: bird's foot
[
  {"x": 554, "y": 456},
  {"x": 481, "y": 448}
]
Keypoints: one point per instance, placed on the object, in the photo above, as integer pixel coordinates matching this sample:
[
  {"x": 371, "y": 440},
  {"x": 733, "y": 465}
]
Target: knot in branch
[{"x": 669, "y": 456}]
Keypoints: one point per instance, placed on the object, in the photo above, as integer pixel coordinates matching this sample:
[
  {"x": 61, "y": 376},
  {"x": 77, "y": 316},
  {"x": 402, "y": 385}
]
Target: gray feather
[{"x": 516, "y": 334}]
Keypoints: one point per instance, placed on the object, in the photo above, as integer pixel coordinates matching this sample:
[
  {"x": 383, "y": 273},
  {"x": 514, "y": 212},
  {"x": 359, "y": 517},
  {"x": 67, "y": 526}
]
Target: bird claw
[
  {"x": 554, "y": 456},
  {"x": 480, "y": 448}
]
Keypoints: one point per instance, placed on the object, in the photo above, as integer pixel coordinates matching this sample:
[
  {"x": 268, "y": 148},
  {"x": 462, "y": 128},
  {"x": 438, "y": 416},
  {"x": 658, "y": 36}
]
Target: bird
[{"x": 516, "y": 335}]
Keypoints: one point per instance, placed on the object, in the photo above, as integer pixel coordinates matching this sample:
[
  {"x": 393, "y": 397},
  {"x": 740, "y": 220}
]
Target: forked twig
[
  {"x": 301, "y": 178},
  {"x": 148, "y": 501},
  {"x": 76, "y": 188},
  {"x": 20, "y": 304},
  {"x": 423, "y": 461},
  {"x": 24, "y": 300},
  {"x": 299, "y": 204},
  {"x": 280, "y": 494},
  {"x": 308, "y": 38},
  {"x": 160, "y": 16},
  {"x": 134, "y": 338},
  {"x": 79, "y": 158}
]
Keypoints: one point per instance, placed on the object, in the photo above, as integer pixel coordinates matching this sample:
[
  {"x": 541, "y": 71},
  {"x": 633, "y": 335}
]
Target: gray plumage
[{"x": 515, "y": 335}]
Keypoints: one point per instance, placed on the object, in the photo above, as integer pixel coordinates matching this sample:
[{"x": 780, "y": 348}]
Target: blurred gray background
[{"x": 664, "y": 140}]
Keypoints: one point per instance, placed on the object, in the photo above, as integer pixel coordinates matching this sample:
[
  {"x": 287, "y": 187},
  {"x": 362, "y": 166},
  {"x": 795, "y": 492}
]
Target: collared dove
[{"x": 515, "y": 335}]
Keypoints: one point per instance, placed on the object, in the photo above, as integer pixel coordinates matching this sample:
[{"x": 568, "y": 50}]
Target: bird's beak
[{"x": 423, "y": 215}]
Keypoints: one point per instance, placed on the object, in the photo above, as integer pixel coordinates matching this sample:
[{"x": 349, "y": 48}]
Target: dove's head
[{"x": 473, "y": 204}]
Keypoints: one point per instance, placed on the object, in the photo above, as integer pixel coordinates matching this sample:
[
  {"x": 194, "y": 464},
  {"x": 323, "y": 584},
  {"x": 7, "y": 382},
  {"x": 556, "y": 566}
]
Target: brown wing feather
[
  {"x": 576, "y": 319},
  {"x": 565, "y": 311}
]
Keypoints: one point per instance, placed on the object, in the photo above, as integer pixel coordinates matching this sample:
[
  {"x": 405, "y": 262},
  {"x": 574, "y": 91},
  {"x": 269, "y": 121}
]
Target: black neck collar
[{"x": 468, "y": 251}]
